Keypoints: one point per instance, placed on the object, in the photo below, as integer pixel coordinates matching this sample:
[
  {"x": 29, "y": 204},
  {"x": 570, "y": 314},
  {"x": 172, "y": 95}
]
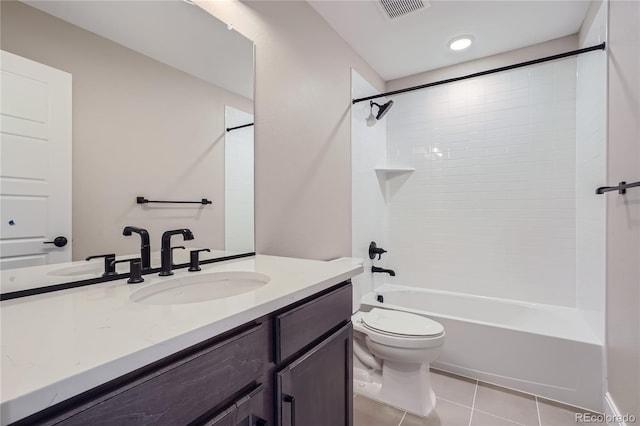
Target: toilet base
[{"x": 404, "y": 386}]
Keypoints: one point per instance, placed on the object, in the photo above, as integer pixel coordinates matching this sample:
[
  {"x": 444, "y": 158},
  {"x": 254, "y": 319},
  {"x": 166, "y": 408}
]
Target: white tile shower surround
[
  {"x": 591, "y": 152},
  {"x": 467, "y": 402},
  {"x": 491, "y": 207},
  {"x": 369, "y": 210}
]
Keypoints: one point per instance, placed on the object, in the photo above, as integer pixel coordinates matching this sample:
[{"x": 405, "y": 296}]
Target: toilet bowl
[{"x": 392, "y": 352}]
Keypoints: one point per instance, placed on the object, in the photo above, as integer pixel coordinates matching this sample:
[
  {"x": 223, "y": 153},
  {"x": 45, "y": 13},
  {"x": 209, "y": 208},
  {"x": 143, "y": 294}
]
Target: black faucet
[
  {"x": 145, "y": 247},
  {"x": 109, "y": 267},
  {"x": 387, "y": 271},
  {"x": 194, "y": 265},
  {"x": 374, "y": 249},
  {"x": 135, "y": 270},
  {"x": 165, "y": 250}
]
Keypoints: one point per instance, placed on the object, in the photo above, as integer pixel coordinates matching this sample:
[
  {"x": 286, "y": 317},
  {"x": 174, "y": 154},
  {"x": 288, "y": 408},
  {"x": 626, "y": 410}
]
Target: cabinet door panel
[{"x": 317, "y": 388}]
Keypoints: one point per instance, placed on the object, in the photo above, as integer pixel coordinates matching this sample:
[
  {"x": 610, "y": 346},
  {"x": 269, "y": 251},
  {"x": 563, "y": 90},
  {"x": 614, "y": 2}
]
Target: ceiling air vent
[{"x": 397, "y": 8}]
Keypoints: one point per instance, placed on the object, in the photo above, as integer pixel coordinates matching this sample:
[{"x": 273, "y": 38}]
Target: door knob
[{"x": 57, "y": 241}]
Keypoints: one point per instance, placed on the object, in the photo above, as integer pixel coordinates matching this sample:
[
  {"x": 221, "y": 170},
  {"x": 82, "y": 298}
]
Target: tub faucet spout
[{"x": 386, "y": 271}]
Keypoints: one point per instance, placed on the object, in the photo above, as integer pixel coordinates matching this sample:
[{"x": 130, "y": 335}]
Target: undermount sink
[{"x": 200, "y": 287}]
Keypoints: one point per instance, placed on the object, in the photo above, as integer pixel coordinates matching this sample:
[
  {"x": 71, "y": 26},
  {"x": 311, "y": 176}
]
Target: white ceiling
[
  {"x": 172, "y": 31},
  {"x": 419, "y": 42}
]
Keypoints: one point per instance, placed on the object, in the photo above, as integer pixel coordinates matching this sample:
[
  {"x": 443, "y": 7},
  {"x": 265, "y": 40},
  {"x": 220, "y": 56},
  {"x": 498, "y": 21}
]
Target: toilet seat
[
  {"x": 401, "y": 324},
  {"x": 381, "y": 327}
]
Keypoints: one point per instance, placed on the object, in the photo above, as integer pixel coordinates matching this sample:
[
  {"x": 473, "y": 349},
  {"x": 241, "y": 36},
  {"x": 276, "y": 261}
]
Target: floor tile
[
  {"x": 515, "y": 406},
  {"x": 367, "y": 412},
  {"x": 484, "y": 419},
  {"x": 445, "y": 414},
  {"x": 555, "y": 414},
  {"x": 453, "y": 388}
]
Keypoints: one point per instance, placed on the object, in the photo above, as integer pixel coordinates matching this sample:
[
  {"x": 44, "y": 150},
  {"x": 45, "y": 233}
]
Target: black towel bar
[
  {"x": 621, "y": 188},
  {"x": 142, "y": 200}
]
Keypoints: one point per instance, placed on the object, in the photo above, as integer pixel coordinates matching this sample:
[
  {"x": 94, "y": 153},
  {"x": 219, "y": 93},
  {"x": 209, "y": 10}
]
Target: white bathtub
[{"x": 541, "y": 349}]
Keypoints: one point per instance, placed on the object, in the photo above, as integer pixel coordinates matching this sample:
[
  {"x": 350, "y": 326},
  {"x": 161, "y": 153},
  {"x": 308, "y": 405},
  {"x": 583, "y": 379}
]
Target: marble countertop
[{"x": 57, "y": 345}]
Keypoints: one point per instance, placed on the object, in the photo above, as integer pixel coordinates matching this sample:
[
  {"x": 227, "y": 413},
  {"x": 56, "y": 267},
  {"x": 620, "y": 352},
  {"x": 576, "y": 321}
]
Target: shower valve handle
[{"x": 374, "y": 249}]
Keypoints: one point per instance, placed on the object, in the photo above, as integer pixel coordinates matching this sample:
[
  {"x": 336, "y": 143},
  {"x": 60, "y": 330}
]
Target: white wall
[
  {"x": 623, "y": 212},
  {"x": 238, "y": 182},
  {"x": 490, "y": 209},
  {"x": 591, "y": 150},
  {"x": 369, "y": 209},
  {"x": 302, "y": 131}
]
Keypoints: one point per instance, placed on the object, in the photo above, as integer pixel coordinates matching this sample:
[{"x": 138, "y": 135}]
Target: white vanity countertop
[{"x": 57, "y": 345}]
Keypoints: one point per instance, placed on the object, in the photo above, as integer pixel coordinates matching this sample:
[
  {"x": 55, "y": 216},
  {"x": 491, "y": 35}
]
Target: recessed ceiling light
[{"x": 460, "y": 43}]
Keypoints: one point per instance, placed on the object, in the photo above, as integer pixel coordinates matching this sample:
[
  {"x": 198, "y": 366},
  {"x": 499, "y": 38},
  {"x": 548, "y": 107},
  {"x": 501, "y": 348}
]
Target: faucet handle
[
  {"x": 109, "y": 267},
  {"x": 374, "y": 249},
  {"x": 195, "y": 261},
  {"x": 135, "y": 269}
]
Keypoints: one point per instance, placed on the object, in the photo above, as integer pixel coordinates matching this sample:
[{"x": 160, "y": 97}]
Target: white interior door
[{"x": 35, "y": 163}]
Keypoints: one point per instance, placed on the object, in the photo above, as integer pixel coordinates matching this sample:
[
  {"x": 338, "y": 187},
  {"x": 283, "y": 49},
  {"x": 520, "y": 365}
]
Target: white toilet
[{"x": 392, "y": 351}]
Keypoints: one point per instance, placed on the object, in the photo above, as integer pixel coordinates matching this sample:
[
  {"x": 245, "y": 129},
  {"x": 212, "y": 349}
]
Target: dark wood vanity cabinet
[
  {"x": 248, "y": 410},
  {"x": 314, "y": 383},
  {"x": 316, "y": 388},
  {"x": 289, "y": 368}
]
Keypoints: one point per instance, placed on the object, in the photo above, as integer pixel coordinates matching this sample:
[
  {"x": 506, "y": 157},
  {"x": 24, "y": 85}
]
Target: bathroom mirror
[{"x": 147, "y": 86}]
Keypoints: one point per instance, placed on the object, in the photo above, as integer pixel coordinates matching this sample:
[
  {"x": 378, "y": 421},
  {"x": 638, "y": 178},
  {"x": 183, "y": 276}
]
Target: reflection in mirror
[
  {"x": 238, "y": 178},
  {"x": 103, "y": 102}
]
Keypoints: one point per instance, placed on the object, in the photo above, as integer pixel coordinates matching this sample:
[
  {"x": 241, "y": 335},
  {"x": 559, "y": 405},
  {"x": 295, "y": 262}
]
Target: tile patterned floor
[{"x": 466, "y": 402}]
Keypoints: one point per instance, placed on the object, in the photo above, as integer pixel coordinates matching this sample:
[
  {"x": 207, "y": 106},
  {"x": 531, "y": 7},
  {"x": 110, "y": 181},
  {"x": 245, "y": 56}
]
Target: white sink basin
[{"x": 200, "y": 287}]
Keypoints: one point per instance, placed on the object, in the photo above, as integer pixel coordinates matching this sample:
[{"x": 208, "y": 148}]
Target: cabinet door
[
  {"x": 246, "y": 411},
  {"x": 317, "y": 388}
]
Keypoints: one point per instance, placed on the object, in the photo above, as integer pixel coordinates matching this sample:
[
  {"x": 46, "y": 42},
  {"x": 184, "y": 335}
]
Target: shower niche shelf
[
  {"x": 391, "y": 171},
  {"x": 391, "y": 179}
]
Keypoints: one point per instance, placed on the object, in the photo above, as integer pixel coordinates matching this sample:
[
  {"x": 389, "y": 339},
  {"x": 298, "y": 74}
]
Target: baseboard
[{"x": 613, "y": 416}]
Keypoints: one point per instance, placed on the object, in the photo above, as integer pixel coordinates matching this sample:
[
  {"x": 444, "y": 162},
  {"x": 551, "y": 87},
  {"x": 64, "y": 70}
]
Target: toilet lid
[{"x": 401, "y": 323}]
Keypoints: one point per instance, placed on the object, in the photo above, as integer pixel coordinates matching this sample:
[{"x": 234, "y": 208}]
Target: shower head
[{"x": 382, "y": 109}]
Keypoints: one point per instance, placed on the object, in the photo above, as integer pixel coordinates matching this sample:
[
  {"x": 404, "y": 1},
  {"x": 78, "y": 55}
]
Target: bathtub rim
[{"x": 369, "y": 299}]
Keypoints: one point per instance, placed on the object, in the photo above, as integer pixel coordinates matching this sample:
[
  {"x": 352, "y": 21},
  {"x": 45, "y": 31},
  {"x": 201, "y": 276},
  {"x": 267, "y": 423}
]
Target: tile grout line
[
  {"x": 402, "y": 419},
  {"x": 501, "y": 418},
  {"x": 459, "y": 404},
  {"x": 538, "y": 411},
  {"x": 473, "y": 404}
]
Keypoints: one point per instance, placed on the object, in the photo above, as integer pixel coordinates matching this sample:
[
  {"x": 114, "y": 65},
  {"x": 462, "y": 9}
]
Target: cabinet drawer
[
  {"x": 246, "y": 411},
  {"x": 300, "y": 326},
  {"x": 181, "y": 392}
]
